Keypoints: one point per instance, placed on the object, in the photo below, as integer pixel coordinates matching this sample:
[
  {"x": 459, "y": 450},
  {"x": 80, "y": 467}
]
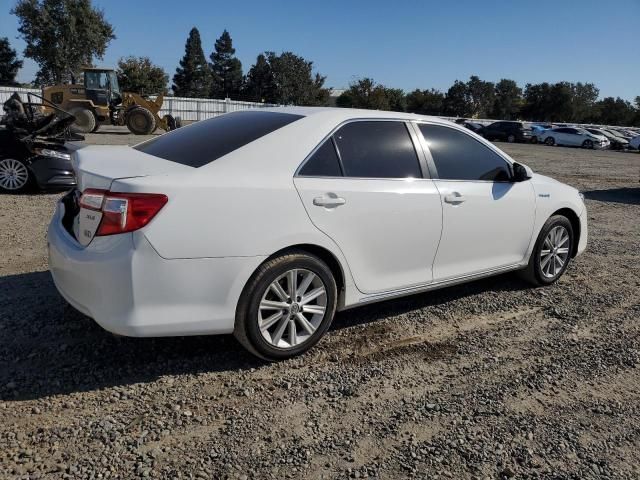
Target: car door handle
[
  {"x": 330, "y": 200},
  {"x": 455, "y": 198}
]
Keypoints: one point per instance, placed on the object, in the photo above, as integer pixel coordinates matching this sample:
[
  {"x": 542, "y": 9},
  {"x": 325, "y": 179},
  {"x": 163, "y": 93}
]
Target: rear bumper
[{"x": 127, "y": 288}]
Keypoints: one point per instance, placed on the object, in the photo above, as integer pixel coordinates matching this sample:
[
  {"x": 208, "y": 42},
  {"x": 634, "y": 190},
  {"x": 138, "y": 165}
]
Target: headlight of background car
[{"x": 47, "y": 152}]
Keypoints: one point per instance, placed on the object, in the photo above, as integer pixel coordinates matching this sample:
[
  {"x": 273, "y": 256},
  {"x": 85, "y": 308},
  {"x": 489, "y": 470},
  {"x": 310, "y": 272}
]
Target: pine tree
[
  {"x": 9, "y": 64},
  {"x": 226, "y": 68},
  {"x": 260, "y": 85},
  {"x": 193, "y": 76}
]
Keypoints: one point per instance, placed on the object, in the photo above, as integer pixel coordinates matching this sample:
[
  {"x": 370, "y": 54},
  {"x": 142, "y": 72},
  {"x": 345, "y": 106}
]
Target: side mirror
[{"x": 521, "y": 172}]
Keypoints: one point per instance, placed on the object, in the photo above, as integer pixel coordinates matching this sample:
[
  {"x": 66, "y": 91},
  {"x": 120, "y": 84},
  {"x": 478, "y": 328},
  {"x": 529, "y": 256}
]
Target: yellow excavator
[{"x": 99, "y": 101}]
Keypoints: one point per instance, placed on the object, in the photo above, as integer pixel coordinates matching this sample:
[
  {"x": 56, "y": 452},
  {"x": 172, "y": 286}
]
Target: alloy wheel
[
  {"x": 13, "y": 174},
  {"x": 555, "y": 252},
  {"x": 292, "y": 308}
]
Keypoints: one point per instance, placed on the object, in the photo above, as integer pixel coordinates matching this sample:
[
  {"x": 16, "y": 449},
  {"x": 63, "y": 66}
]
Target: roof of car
[{"x": 343, "y": 114}]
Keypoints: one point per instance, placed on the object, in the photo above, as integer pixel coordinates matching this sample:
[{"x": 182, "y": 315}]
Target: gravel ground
[{"x": 488, "y": 380}]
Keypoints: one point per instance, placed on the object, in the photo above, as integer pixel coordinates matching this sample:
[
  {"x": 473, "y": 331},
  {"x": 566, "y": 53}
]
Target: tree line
[
  {"x": 504, "y": 100},
  {"x": 61, "y": 36}
]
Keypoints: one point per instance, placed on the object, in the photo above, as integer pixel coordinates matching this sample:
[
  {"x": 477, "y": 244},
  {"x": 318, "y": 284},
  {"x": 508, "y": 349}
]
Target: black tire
[
  {"x": 140, "y": 121},
  {"x": 550, "y": 141},
  {"x": 511, "y": 138},
  {"x": 96, "y": 128},
  {"x": 85, "y": 121},
  {"x": 246, "y": 327},
  {"x": 533, "y": 273},
  {"x": 534, "y": 140},
  {"x": 587, "y": 144}
]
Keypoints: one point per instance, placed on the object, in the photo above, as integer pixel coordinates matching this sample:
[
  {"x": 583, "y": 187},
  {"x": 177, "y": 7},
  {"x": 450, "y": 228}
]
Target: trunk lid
[{"x": 97, "y": 166}]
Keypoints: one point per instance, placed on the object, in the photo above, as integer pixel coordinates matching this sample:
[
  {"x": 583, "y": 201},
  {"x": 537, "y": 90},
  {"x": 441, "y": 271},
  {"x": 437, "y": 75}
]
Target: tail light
[{"x": 122, "y": 212}]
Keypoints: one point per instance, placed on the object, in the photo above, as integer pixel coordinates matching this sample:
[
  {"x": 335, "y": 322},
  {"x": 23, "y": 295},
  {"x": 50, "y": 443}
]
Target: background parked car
[
  {"x": 635, "y": 143},
  {"x": 616, "y": 143},
  {"x": 506, "y": 132},
  {"x": 575, "y": 137},
  {"x": 474, "y": 126},
  {"x": 538, "y": 130}
]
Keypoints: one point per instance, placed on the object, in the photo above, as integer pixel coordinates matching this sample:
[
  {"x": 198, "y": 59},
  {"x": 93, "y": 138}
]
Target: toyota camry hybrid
[{"x": 264, "y": 223}]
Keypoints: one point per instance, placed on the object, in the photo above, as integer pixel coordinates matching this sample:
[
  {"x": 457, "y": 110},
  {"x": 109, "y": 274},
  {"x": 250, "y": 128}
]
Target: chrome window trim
[{"x": 417, "y": 147}]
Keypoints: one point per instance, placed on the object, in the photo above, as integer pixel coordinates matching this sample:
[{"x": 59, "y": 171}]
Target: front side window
[
  {"x": 458, "y": 156},
  {"x": 377, "y": 149}
]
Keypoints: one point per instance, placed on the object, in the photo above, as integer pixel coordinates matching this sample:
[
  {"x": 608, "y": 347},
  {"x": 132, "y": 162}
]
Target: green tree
[
  {"x": 294, "y": 81},
  {"x": 585, "y": 96},
  {"x": 456, "y": 101},
  {"x": 9, "y": 63},
  {"x": 426, "y": 102},
  {"x": 193, "y": 76},
  {"x": 508, "y": 100},
  {"x": 226, "y": 68},
  {"x": 366, "y": 93},
  {"x": 480, "y": 97},
  {"x": 260, "y": 85},
  {"x": 616, "y": 111},
  {"x": 140, "y": 75},
  {"x": 62, "y": 36}
]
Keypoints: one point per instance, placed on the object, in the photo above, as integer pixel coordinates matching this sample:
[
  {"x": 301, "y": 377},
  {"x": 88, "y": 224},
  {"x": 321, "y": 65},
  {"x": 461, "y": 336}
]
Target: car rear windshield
[{"x": 207, "y": 140}]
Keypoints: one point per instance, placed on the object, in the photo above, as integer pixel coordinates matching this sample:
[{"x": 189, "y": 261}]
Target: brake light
[{"x": 122, "y": 212}]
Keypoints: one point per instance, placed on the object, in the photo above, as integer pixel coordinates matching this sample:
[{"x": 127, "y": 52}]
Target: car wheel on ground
[
  {"x": 511, "y": 138},
  {"x": 552, "y": 252},
  {"x": 140, "y": 121},
  {"x": 550, "y": 141},
  {"x": 587, "y": 144},
  {"x": 286, "y": 307},
  {"x": 85, "y": 121},
  {"x": 14, "y": 175}
]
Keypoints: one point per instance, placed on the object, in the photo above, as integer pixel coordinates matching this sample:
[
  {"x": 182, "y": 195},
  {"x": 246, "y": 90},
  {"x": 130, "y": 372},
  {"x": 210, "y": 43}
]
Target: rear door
[
  {"x": 487, "y": 218},
  {"x": 364, "y": 188}
]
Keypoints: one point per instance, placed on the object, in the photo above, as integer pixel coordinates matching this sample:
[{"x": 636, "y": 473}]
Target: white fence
[{"x": 189, "y": 109}]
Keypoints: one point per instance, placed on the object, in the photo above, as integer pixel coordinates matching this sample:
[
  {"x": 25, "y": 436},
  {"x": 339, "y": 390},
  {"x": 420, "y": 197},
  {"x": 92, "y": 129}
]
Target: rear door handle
[
  {"x": 455, "y": 198},
  {"x": 330, "y": 200}
]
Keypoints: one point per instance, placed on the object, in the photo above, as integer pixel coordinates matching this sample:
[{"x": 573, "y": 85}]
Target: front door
[
  {"x": 364, "y": 188},
  {"x": 487, "y": 218}
]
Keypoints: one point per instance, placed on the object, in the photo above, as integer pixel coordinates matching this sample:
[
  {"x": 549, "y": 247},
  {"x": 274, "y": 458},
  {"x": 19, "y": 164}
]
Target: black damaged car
[{"x": 34, "y": 152}]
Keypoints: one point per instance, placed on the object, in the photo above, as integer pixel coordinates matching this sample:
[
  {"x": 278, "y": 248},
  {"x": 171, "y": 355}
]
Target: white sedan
[
  {"x": 575, "y": 137},
  {"x": 263, "y": 223}
]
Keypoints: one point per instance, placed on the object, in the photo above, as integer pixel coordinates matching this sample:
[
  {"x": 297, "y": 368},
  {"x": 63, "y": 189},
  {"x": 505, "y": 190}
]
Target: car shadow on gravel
[
  {"x": 48, "y": 348},
  {"x": 627, "y": 195}
]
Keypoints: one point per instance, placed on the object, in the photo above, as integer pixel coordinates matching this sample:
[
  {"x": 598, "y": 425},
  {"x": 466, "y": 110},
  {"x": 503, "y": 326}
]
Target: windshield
[{"x": 113, "y": 80}]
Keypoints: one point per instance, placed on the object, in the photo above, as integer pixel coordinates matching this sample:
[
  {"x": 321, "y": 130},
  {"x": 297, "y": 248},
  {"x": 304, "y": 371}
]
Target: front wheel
[
  {"x": 552, "y": 252},
  {"x": 286, "y": 307},
  {"x": 587, "y": 144},
  {"x": 511, "y": 138},
  {"x": 550, "y": 141},
  {"x": 15, "y": 177},
  {"x": 140, "y": 121}
]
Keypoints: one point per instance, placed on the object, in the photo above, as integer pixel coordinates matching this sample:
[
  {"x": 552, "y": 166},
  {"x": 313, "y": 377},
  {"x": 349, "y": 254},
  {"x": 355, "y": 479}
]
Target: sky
[{"x": 404, "y": 44}]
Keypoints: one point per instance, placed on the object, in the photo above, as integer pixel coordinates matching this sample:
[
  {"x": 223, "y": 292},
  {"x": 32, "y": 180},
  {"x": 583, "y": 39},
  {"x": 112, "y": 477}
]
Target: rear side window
[
  {"x": 207, "y": 140},
  {"x": 377, "y": 150},
  {"x": 458, "y": 156},
  {"x": 323, "y": 163}
]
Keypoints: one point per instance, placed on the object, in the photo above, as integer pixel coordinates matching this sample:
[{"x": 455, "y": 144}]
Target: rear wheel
[
  {"x": 550, "y": 141},
  {"x": 140, "y": 121},
  {"x": 587, "y": 144},
  {"x": 15, "y": 177},
  {"x": 552, "y": 252},
  {"x": 85, "y": 121},
  {"x": 286, "y": 307}
]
